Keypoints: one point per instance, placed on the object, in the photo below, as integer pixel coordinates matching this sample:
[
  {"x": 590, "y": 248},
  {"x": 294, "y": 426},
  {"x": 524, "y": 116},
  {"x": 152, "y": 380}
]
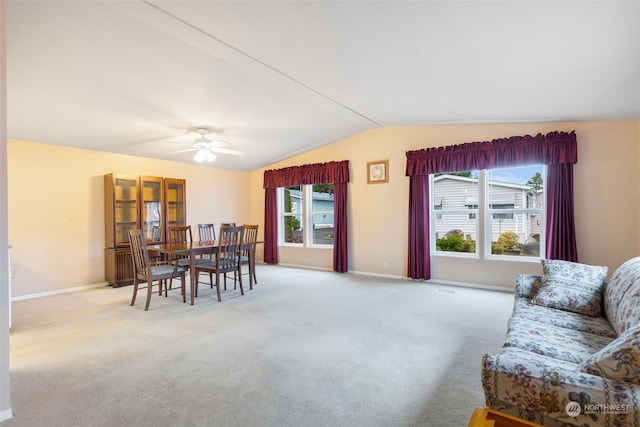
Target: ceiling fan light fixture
[{"x": 204, "y": 155}]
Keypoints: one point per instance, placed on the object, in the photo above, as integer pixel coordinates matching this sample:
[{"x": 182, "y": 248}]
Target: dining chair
[
  {"x": 180, "y": 234},
  {"x": 248, "y": 253},
  {"x": 206, "y": 232},
  {"x": 146, "y": 271},
  {"x": 227, "y": 258},
  {"x": 156, "y": 237}
]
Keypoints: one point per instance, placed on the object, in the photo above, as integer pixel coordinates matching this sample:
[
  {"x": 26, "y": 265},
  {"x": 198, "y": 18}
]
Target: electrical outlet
[{"x": 385, "y": 265}]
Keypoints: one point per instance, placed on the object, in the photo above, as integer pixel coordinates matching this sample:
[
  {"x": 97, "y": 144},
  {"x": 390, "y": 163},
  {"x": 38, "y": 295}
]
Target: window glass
[
  {"x": 515, "y": 201},
  {"x": 291, "y": 224},
  {"x": 455, "y": 209},
  {"x": 322, "y": 214}
]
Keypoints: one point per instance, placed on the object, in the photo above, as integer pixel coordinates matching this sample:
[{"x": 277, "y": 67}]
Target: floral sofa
[{"x": 571, "y": 356}]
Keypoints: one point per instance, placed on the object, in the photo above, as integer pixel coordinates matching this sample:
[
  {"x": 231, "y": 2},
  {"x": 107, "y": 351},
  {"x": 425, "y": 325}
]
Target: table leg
[{"x": 193, "y": 275}]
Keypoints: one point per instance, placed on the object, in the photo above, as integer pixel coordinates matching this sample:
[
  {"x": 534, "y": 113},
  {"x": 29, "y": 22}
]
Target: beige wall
[
  {"x": 56, "y": 209},
  {"x": 56, "y": 203},
  {"x": 606, "y": 198}
]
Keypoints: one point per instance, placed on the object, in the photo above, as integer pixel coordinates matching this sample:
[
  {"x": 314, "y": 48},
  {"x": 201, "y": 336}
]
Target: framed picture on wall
[{"x": 377, "y": 172}]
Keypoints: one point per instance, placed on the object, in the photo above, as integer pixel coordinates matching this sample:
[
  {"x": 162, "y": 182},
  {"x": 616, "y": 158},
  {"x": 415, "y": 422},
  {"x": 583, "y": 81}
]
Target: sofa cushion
[
  {"x": 551, "y": 341},
  {"x": 622, "y": 296},
  {"x": 571, "y": 286},
  {"x": 525, "y": 309},
  {"x": 620, "y": 360}
]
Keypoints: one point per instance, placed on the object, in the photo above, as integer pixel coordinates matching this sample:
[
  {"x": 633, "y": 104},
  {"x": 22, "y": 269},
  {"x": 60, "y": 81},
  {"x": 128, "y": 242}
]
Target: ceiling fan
[{"x": 207, "y": 148}]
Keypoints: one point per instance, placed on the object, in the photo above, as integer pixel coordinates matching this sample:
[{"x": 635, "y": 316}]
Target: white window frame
[
  {"x": 307, "y": 215},
  {"x": 484, "y": 216}
]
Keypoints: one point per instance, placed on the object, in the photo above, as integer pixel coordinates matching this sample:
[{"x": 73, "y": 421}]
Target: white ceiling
[{"x": 279, "y": 78}]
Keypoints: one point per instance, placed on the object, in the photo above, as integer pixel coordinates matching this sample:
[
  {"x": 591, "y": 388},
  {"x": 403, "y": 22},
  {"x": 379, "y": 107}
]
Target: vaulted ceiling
[{"x": 274, "y": 79}]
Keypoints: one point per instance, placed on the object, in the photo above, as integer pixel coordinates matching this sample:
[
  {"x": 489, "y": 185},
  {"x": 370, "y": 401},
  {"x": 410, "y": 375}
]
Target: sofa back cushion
[
  {"x": 571, "y": 286},
  {"x": 622, "y": 296},
  {"x": 618, "y": 360}
]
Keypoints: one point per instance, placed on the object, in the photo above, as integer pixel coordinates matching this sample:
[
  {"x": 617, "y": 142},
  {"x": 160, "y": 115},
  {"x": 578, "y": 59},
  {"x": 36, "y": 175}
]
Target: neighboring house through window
[
  {"x": 306, "y": 215},
  {"x": 488, "y": 213}
]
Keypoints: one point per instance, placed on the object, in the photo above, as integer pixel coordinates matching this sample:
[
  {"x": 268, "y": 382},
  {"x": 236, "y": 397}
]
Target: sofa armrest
[
  {"x": 540, "y": 386},
  {"x": 527, "y": 285}
]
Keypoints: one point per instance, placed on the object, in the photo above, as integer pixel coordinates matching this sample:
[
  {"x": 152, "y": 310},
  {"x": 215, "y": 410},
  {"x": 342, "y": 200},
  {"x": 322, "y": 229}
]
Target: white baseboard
[
  {"x": 6, "y": 414},
  {"x": 306, "y": 267},
  {"x": 393, "y": 276},
  {"x": 59, "y": 291},
  {"x": 386, "y": 276},
  {"x": 469, "y": 285}
]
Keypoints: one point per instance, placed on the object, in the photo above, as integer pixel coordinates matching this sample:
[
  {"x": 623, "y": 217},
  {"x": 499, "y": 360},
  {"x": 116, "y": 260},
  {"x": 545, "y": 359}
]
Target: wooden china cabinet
[
  {"x": 133, "y": 202},
  {"x": 176, "y": 206}
]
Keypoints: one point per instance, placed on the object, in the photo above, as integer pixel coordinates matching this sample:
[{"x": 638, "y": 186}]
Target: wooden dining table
[{"x": 192, "y": 250}]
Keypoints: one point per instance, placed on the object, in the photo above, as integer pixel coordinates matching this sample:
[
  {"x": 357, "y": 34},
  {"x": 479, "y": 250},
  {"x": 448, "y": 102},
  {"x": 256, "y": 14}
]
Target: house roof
[
  {"x": 275, "y": 79},
  {"x": 475, "y": 180}
]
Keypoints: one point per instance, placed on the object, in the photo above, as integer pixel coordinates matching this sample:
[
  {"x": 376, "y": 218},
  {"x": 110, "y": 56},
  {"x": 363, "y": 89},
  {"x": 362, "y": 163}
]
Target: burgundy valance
[
  {"x": 552, "y": 148},
  {"x": 317, "y": 173}
]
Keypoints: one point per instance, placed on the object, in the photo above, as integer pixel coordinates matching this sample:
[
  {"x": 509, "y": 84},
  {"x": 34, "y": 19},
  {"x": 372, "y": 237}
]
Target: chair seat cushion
[
  {"x": 166, "y": 270},
  {"x": 186, "y": 263}
]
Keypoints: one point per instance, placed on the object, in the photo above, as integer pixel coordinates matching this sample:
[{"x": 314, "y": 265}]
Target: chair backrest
[
  {"x": 250, "y": 236},
  {"x": 207, "y": 232},
  {"x": 229, "y": 244},
  {"x": 228, "y": 224},
  {"x": 180, "y": 234},
  {"x": 139, "y": 251}
]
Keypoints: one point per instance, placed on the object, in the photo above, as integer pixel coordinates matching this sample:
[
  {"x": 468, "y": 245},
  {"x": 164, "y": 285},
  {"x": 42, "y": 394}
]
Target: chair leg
[
  {"x": 218, "y": 286},
  {"x": 149, "y": 292},
  {"x": 253, "y": 272},
  {"x": 239, "y": 280},
  {"x": 184, "y": 287},
  {"x": 135, "y": 290},
  {"x": 195, "y": 291}
]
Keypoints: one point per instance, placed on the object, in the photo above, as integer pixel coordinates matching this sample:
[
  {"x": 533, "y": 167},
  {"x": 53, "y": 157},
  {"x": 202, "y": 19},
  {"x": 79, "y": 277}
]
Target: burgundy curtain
[
  {"x": 555, "y": 148},
  {"x": 419, "y": 250},
  {"x": 336, "y": 173},
  {"x": 552, "y": 148},
  {"x": 340, "y": 246},
  {"x": 561, "y": 242},
  {"x": 270, "y": 226}
]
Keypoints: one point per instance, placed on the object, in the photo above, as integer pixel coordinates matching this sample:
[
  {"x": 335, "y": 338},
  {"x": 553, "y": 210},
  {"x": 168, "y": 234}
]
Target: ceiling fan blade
[
  {"x": 226, "y": 151},
  {"x": 184, "y": 151}
]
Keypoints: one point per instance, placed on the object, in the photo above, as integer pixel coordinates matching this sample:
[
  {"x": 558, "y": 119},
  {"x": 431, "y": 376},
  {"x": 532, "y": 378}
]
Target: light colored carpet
[{"x": 304, "y": 348}]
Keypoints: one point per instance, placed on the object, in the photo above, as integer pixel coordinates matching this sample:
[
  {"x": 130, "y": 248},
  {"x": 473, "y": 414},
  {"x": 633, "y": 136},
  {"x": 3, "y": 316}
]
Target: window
[
  {"x": 455, "y": 221},
  {"x": 494, "y": 213},
  {"x": 306, "y": 215}
]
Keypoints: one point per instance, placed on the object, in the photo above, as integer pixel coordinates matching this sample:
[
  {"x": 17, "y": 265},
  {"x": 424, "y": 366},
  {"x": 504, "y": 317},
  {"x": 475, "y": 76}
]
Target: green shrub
[
  {"x": 455, "y": 243},
  {"x": 507, "y": 241}
]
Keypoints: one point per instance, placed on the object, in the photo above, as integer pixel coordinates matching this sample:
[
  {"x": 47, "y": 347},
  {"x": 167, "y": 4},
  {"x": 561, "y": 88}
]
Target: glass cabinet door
[
  {"x": 151, "y": 201},
  {"x": 126, "y": 208},
  {"x": 176, "y": 202}
]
